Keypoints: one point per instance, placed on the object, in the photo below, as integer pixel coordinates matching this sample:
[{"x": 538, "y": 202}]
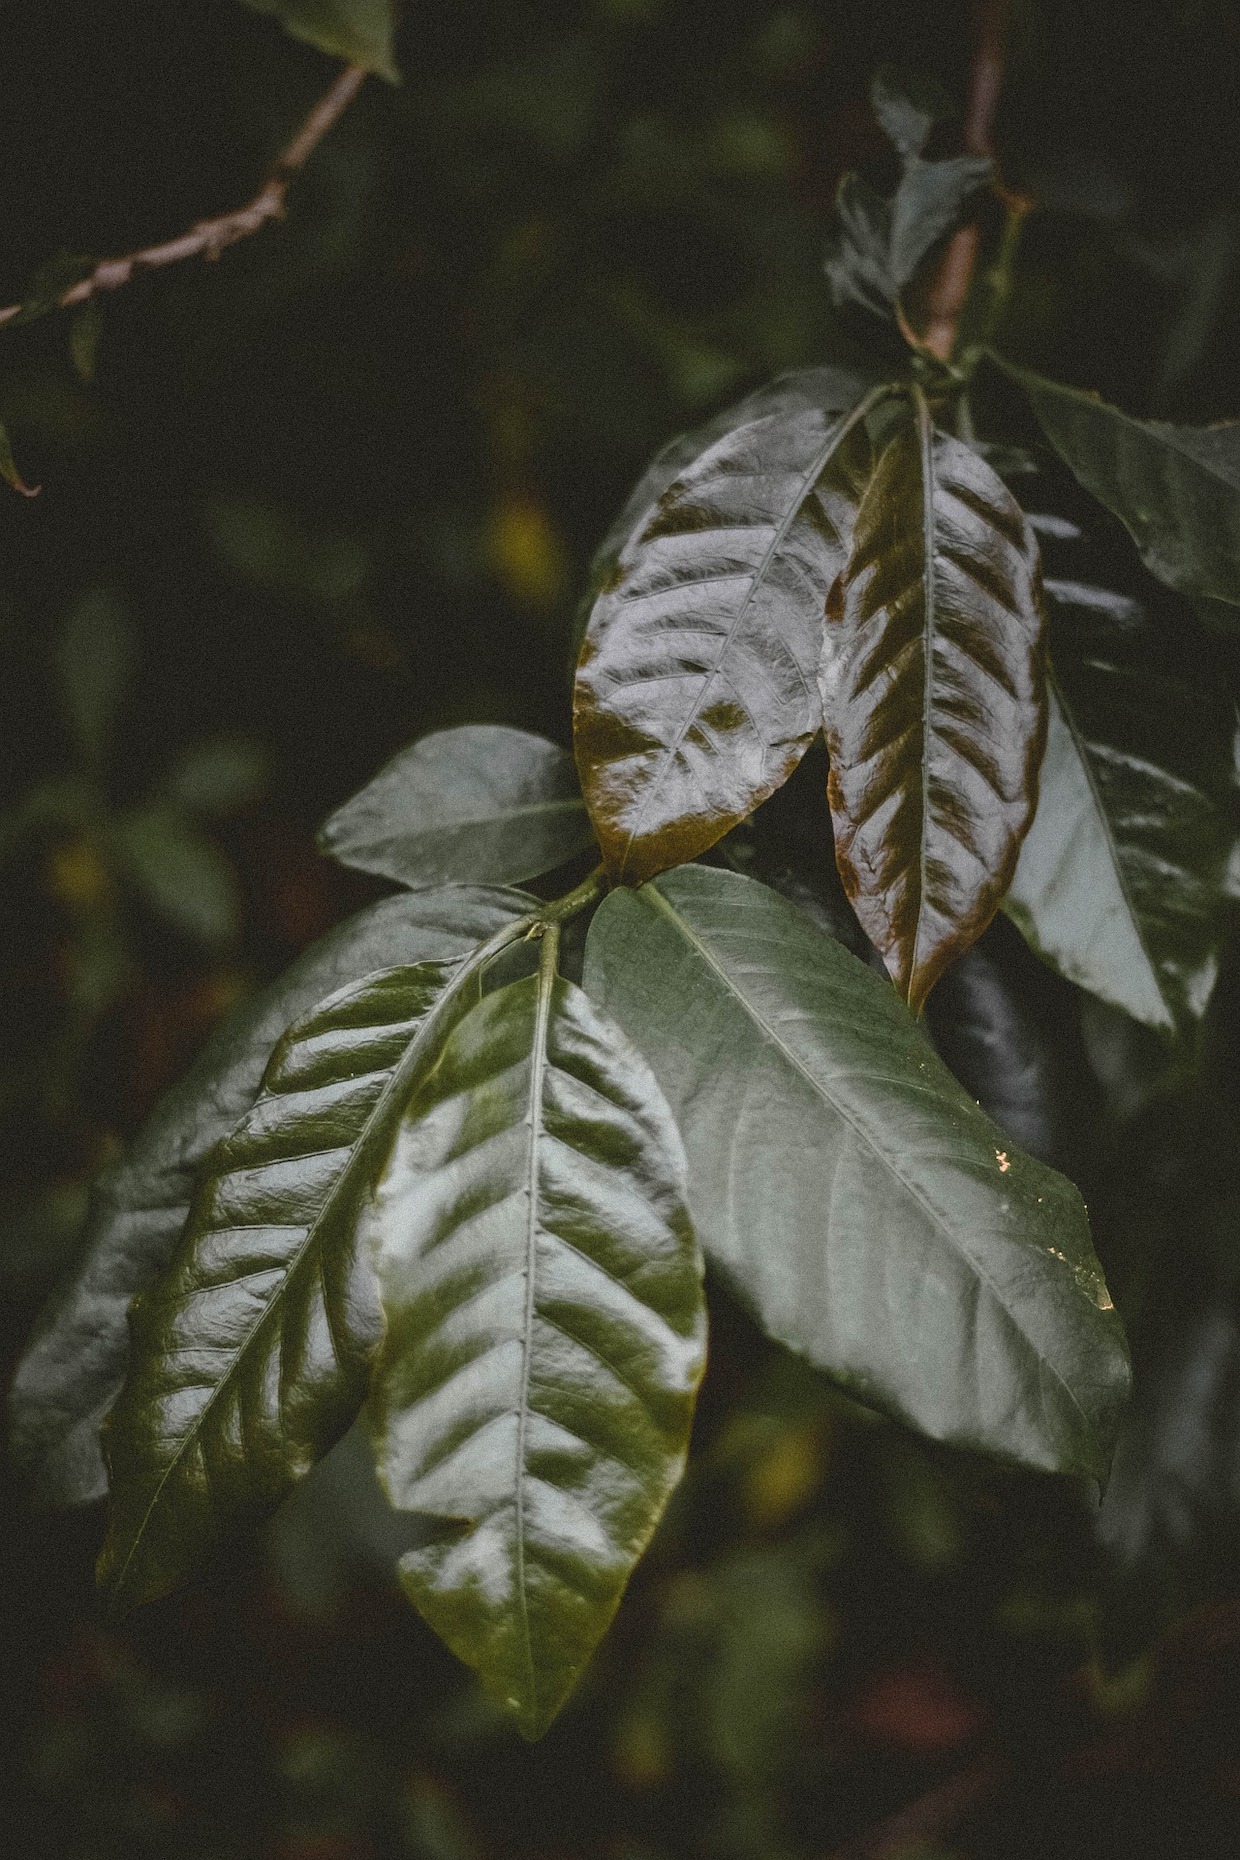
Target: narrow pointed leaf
[
  {"x": 361, "y": 31},
  {"x": 870, "y": 1212},
  {"x": 250, "y": 1357},
  {"x": 481, "y": 804},
  {"x": 696, "y": 693},
  {"x": 934, "y": 702},
  {"x": 546, "y": 1334},
  {"x": 1122, "y": 883},
  {"x": 75, "y": 1363},
  {"x": 1175, "y": 488}
]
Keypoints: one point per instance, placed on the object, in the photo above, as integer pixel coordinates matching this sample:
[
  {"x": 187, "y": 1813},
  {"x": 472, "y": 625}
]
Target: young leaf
[
  {"x": 75, "y": 1363},
  {"x": 871, "y": 1213},
  {"x": 546, "y": 1333},
  {"x": 250, "y": 1356},
  {"x": 1175, "y": 488},
  {"x": 361, "y": 31},
  {"x": 481, "y": 804},
  {"x": 879, "y": 243},
  {"x": 695, "y": 695},
  {"x": 908, "y": 105},
  {"x": 1123, "y": 880},
  {"x": 934, "y": 701}
]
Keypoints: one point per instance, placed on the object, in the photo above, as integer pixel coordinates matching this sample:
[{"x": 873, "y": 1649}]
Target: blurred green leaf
[
  {"x": 95, "y": 658},
  {"x": 218, "y": 777},
  {"x": 185, "y": 878},
  {"x": 361, "y": 31}
]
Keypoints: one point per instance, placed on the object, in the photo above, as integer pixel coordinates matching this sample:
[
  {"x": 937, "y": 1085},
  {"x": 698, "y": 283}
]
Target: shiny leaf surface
[
  {"x": 1122, "y": 882},
  {"x": 696, "y": 691},
  {"x": 361, "y": 31},
  {"x": 934, "y": 701},
  {"x": 872, "y": 1215},
  {"x": 546, "y": 1334},
  {"x": 249, "y": 1357},
  {"x": 75, "y": 1363},
  {"x": 1175, "y": 488},
  {"x": 481, "y": 804}
]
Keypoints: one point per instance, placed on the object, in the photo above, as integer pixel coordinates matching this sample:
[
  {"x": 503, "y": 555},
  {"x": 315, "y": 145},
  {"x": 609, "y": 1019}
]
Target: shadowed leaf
[
  {"x": 870, "y": 1212},
  {"x": 361, "y": 31},
  {"x": 546, "y": 1334},
  {"x": 934, "y": 701}
]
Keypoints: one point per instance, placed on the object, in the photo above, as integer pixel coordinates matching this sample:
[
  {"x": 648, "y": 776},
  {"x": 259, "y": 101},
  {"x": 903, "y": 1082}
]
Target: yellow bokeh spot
[
  {"x": 526, "y": 553},
  {"x": 783, "y": 1479},
  {"x": 77, "y": 876}
]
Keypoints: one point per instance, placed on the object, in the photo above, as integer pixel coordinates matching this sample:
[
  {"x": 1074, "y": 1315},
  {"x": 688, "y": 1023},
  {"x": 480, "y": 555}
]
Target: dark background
[{"x": 343, "y": 487}]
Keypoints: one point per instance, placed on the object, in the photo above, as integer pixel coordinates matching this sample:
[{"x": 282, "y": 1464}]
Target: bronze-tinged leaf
[
  {"x": 696, "y": 692},
  {"x": 934, "y": 698}
]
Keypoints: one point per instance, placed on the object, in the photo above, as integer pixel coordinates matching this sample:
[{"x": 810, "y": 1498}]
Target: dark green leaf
[
  {"x": 871, "y": 1213},
  {"x": 878, "y": 244},
  {"x": 74, "y": 1365},
  {"x": 361, "y": 31},
  {"x": 546, "y": 1334},
  {"x": 49, "y": 285},
  {"x": 1123, "y": 880},
  {"x": 95, "y": 660},
  {"x": 1175, "y": 488},
  {"x": 696, "y": 691},
  {"x": 934, "y": 701},
  {"x": 218, "y": 776},
  {"x": 481, "y": 804},
  {"x": 250, "y": 1356},
  {"x": 8, "y": 468}
]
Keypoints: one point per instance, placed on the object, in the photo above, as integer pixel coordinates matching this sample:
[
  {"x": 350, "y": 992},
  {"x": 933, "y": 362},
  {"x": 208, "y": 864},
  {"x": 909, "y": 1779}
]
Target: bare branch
[{"x": 208, "y": 238}]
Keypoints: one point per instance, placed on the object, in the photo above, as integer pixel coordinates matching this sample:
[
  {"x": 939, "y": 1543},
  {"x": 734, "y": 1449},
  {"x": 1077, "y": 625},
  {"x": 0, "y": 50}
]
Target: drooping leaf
[
  {"x": 696, "y": 690},
  {"x": 480, "y": 804},
  {"x": 249, "y": 1357},
  {"x": 934, "y": 701},
  {"x": 75, "y": 1363},
  {"x": 1122, "y": 882},
  {"x": 546, "y": 1334},
  {"x": 866, "y": 1207},
  {"x": 801, "y": 390},
  {"x": 361, "y": 31},
  {"x": 1175, "y": 488}
]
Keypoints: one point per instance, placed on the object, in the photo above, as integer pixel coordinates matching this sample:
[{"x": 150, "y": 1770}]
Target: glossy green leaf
[
  {"x": 250, "y": 1356},
  {"x": 1175, "y": 488},
  {"x": 361, "y": 31},
  {"x": 801, "y": 390},
  {"x": 546, "y": 1334},
  {"x": 870, "y": 1212},
  {"x": 696, "y": 690},
  {"x": 934, "y": 701},
  {"x": 1122, "y": 883},
  {"x": 75, "y": 1363},
  {"x": 480, "y": 804}
]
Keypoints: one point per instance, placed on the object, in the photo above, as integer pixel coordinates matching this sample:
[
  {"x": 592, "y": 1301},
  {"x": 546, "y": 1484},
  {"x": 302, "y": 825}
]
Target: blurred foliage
[{"x": 342, "y": 487}]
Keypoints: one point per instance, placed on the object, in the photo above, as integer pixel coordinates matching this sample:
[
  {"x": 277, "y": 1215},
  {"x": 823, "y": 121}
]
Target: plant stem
[
  {"x": 950, "y": 290},
  {"x": 208, "y": 238},
  {"x": 548, "y": 916}
]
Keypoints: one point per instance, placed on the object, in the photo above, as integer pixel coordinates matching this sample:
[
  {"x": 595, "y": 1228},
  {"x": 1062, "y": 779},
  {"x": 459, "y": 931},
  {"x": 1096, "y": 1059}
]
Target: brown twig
[
  {"x": 208, "y": 238},
  {"x": 949, "y": 290}
]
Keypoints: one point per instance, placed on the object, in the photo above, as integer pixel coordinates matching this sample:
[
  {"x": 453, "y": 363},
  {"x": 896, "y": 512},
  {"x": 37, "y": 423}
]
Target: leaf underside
[
  {"x": 75, "y": 1363},
  {"x": 868, "y": 1210},
  {"x": 934, "y": 702},
  {"x": 546, "y": 1334},
  {"x": 696, "y": 690},
  {"x": 483, "y": 804},
  {"x": 250, "y": 1356}
]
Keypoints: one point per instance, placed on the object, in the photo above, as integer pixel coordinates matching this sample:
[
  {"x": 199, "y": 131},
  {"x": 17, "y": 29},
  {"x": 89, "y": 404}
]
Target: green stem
[{"x": 590, "y": 891}]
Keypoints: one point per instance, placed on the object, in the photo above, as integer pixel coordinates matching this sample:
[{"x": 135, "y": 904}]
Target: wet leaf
[
  {"x": 1123, "y": 880},
  {"x": 546, "y": 1334},
  {"x": 480, "y": 804},
  {"x": 361, "y": 31},
  {"x": 75, "y": 1363},
  {"x": 250, "y": 1356},
  {"x": 1175, "y": 488},
  {"x": 869, "y": 1211},
  {"x": 696, "y": 691},
  {"x": 934, "y": 701}
]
